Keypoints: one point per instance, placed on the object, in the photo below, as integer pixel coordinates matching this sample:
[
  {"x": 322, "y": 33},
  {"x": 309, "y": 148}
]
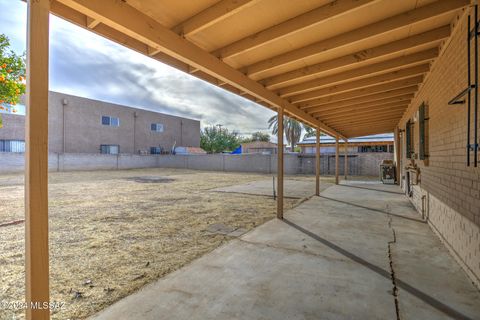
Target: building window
[
  {"x": 409, "y": 149},
  {"x": 109, "y": 148},
  {"x": 363, "y": 149},
  {"x": 110, "y": 121},
  {"x": 12, "y": 146},
  {"x": 157, "y": 127},
  {"x": 422, "y": 143},
  {"x": 155, "y": 150}
]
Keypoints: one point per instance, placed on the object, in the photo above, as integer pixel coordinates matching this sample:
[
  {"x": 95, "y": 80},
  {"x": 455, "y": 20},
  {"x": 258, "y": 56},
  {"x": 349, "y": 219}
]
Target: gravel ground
[{"x": 112, "y": 232}]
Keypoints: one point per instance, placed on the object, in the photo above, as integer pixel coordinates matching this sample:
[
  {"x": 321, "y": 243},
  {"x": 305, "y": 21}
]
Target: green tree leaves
[
  {"x": 12, "y": 76},
  {"x": 215, "y": 139}
]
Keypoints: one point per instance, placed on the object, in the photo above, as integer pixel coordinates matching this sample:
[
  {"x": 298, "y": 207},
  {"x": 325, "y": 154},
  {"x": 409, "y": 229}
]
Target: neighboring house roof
[{"x": 366, "y": 139}]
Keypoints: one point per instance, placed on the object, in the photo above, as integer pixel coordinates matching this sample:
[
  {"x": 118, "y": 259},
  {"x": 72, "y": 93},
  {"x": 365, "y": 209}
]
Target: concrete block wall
[
  {"x": 361, "y": 164},
  {"x": 448, "y": 190}
]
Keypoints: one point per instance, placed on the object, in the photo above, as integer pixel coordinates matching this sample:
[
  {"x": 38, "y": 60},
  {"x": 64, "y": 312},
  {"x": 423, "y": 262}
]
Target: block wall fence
[{"x": 363, "y": 164}]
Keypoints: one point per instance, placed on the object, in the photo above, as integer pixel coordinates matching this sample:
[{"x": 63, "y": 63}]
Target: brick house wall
[{"x": 448, "y": 191}]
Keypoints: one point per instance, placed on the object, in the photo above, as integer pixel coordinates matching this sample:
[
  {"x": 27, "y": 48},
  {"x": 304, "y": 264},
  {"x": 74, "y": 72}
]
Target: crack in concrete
[{"x": 392, "y": 270}]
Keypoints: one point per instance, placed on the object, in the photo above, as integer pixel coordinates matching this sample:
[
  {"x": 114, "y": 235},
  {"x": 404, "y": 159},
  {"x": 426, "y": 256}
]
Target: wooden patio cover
[{"x": 348, "y": 67}]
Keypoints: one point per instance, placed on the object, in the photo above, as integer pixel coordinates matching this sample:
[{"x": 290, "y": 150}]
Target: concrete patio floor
[{"x": 359, "y": 251}]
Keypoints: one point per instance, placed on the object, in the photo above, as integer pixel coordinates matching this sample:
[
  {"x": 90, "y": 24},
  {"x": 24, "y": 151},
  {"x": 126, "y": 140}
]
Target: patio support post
[
  {"x": 36, "y": 163},
  {"x": 345, "y": 173},
  {"x": 396, "y": 134},
  {"x": 317, "y": 162},
  {"x": 336, "y": 159},
  {"x": 280, "y": 165}
]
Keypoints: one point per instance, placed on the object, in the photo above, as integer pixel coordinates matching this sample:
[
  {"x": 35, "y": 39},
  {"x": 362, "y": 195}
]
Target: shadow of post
[{"x": 402, "y": 284}]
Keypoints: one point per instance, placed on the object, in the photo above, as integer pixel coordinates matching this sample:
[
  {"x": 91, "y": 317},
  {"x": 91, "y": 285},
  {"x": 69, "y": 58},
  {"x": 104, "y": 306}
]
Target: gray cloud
[
  {"x": 107, "y": 71},
  {"x": 84, "y": 64}
]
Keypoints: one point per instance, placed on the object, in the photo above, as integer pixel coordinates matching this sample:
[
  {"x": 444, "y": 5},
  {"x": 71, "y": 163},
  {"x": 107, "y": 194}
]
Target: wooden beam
[
  {"x": 369, "y": 70},
  {"x": 365, "y": 115},
  {"x": 365, "y": 92},
  {"x": 396, "y": 150},
  {"x": 336, "y": 160},
  {"x": 432, "y": 36},
  {"x": 345, "y": 169},
  {"x": 36, "y": 162},
  {"x": 367, "y": 132},
  {"x": 317, "y": 162},
  {"x": 291, "y": 26},
  {"x": 332, "y": 109},
  {"x": 349, "y": 124},
  {"x": 367, "y": 112},
  {"x": 280, "y": 164},
  {"x": 373, "y": 112},
  {"x": 126, "y": 19},
  {"x": 362, "y": 83},
  {"x": 367, "y": 127},
  {"x": 372, "y": 122},
  {"x": 92, "y": 23},
  {"x": 152, "y": 51},
  {"x": 381, "y": 27},
  {"x": 208, "y": 17},
  {"x": 395, "y": 95}
]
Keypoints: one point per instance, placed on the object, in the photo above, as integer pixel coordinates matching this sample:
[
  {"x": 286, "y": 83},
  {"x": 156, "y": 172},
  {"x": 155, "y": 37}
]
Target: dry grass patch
[{"x": 111, "y": 233}]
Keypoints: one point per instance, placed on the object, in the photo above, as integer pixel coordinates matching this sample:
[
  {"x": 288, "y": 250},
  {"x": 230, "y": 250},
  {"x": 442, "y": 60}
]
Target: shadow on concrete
[
  {"x": 373, "y": 209},
  {"x": 412, "y": 290},
  {"x": 371, "y": 189}
]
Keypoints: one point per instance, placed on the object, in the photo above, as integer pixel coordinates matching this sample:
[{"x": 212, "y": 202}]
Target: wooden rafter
[
  {"x": 124, "y": 18},
  {"x": 379, "y": 67},
  {"x": 372, "y": 110},
  {"x": 370, "y": 131},
  {"x": 386, "y": 25},
  {"x": 208, "y": 17},
  {"x": 369, "y": 98},
  {"x": 92, "y": 23},
  {"x": 321, "y": 110},
  {"x": 362, "y": 83},
  {"x": 293, "y": 25},
  {"x": 432, "y": 36},
  {"x": 367, "y": 114},
  {"x": 364, "y": 92},
  {"x": 352, "y": 122}
]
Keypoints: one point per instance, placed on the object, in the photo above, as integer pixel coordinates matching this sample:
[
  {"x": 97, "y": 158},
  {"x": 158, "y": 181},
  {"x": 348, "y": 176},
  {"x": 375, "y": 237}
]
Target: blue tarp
[{"x": 237, "y": 151}]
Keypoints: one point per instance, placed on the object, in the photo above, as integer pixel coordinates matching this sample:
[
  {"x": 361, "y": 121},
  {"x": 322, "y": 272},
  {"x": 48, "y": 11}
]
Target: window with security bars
[
  {"x": 109, "y": 148},
  {"x": 422, "y": 134},
  {"x": 155, "y": 150},
  {"x": 110, "y": 121},
  {"x": 409, "y": 149},
  {"x": 157, "y": 127},
  {"x": 12, "y": 146}
]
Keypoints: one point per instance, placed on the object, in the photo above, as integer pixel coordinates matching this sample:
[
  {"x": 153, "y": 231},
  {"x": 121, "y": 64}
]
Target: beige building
[{"x": 80, "y": 125}]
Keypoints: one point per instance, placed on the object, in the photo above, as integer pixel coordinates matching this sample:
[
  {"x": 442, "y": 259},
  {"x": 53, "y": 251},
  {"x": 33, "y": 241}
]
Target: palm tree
[{"x": 292, "y": 128}]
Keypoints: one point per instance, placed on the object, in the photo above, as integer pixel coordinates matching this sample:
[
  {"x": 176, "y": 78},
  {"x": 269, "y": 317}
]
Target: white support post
[{"x": 36, "y": 163}]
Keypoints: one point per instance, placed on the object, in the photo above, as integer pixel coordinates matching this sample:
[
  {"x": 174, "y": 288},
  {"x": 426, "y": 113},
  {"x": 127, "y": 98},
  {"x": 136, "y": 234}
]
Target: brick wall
[{"x": 448, "y": 192}]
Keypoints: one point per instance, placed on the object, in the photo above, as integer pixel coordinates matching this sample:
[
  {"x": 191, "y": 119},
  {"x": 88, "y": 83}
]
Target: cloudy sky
[{"x": 87, "y": 65}]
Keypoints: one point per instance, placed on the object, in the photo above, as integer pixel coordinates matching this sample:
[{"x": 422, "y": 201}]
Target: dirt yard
[{"x": 111, "y": 232}]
